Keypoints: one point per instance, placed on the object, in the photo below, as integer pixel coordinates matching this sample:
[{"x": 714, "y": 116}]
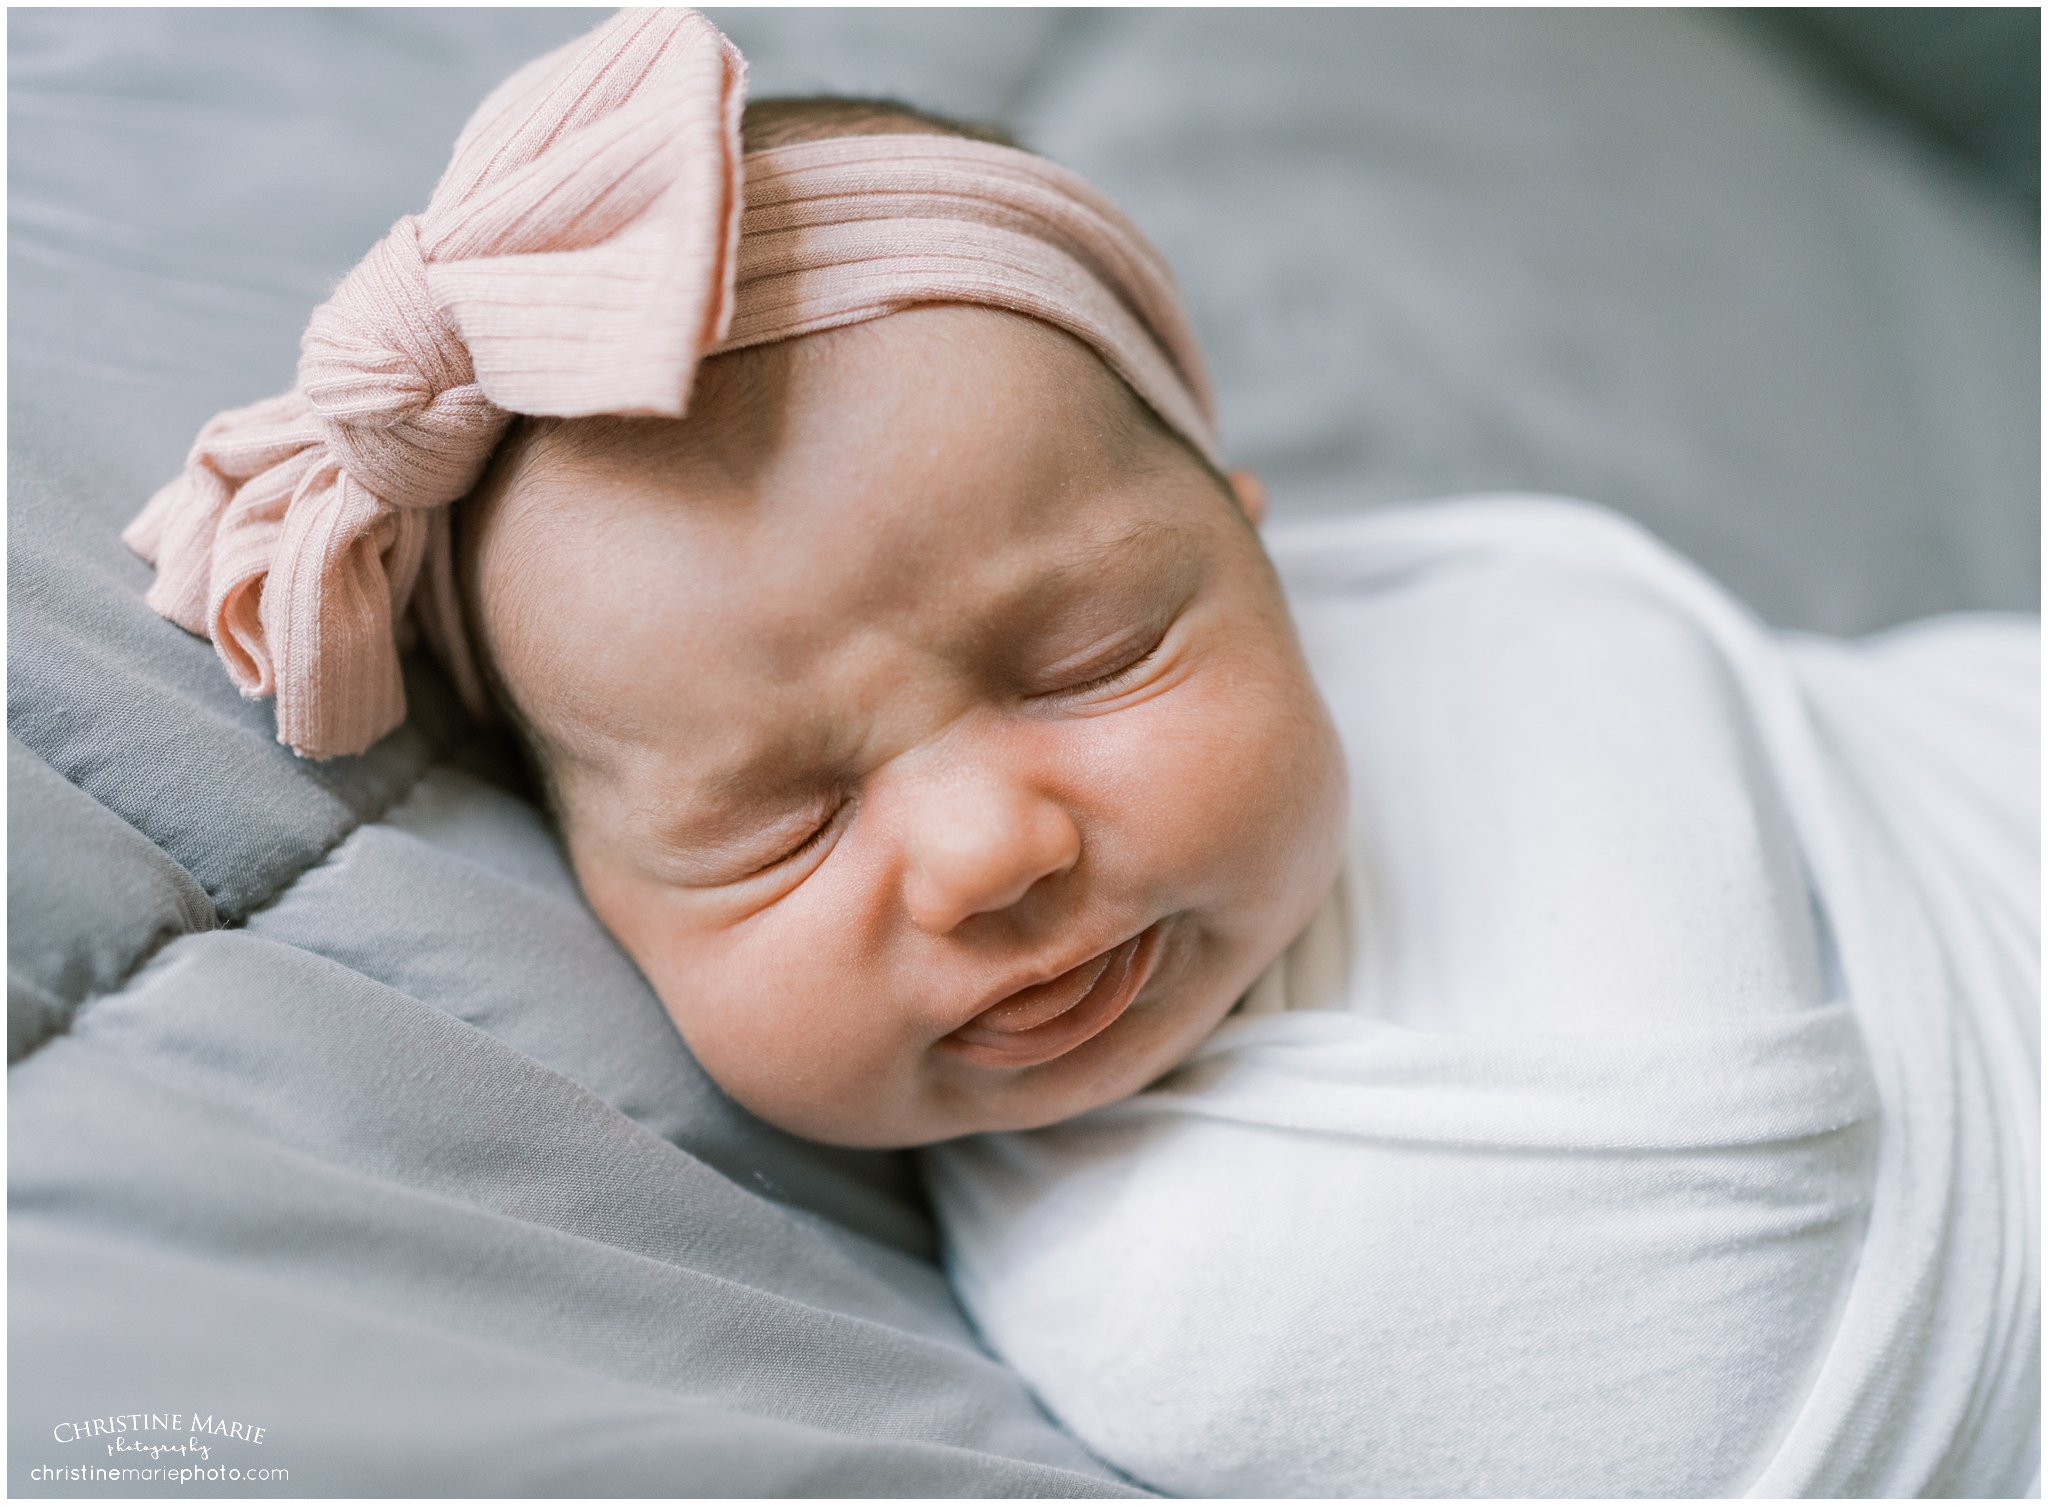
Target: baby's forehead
[
  {"x": 955, "y": 467},
  {"x": 914, "y": 400},
  {"x": 634, "y": 518}
]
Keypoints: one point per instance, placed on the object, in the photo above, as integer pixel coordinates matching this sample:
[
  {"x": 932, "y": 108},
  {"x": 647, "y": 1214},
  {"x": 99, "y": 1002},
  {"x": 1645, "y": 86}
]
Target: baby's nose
[{"x": 980, "y": 846}]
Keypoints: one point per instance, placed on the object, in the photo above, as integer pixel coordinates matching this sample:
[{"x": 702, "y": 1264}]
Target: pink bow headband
[{"x": 589, "y": 244}]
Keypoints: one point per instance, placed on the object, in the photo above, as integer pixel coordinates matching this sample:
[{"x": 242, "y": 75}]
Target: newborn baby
[
  {"x": 918, "y": 707},
  {"x": 1614, "y": 1093},
  {"x": 921, "y": 715}
]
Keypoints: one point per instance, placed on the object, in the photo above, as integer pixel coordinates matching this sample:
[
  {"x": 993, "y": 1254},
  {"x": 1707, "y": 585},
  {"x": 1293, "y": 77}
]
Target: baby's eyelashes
[
  {"x": 1144, "y": 667},
  {"x": 740, "y": 848},
  {"x": 1112, "y": 679},
  {"x": 804, "y": 847},
  {"x": 1110, "y": 658}
]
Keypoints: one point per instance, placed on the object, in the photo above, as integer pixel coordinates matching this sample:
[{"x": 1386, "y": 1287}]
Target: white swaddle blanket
[{"x": 1654, "y": 1108}]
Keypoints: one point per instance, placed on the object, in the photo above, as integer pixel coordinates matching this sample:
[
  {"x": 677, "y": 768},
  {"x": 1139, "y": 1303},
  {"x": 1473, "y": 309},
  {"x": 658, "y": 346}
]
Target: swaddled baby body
[
  {"x": 922, "y": 713},
  {"x": 929, "y": 727}
]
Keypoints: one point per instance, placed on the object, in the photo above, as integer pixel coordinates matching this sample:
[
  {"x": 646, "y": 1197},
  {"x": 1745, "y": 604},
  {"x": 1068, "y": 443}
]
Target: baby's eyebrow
[
  {"x": 766, "y": 775},
  {"x": 1146, "y": 535},
  {"x": 729, "y": 802},
  {"x": 1150, "y": 540}
]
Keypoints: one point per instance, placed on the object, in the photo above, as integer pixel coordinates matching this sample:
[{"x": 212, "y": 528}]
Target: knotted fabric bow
[{"x": 583, "y": 252}]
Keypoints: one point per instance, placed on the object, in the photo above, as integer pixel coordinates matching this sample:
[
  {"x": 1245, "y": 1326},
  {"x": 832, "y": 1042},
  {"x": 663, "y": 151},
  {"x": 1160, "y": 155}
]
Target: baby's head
[
  {"x": 921, "y": 714},
  {"x": 920, "y": 710}
]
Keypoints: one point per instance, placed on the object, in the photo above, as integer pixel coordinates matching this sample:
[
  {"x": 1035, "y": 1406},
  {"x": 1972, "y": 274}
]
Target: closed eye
[
  {"x": 1113, "y": 680},
  {"x": 802, "y": 849}
]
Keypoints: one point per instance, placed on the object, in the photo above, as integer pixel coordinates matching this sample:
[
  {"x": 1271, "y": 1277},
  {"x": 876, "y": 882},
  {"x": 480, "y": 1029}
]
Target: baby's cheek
[
  {"x": 791, "y": 1012},
  {"x": 683, "y": 959},
  {"x": 743, "y": 1014},
  {"x": 1248, "y": 759},
  {"x": 1305, "y": 819}
]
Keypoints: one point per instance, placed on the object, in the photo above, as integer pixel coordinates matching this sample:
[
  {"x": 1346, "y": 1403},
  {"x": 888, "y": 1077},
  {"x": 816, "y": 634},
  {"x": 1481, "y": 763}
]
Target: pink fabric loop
[
  {"x": 577, "y": 257},
  {"x": 584, "y": 250},
  {"x": 389, "y": 376}
]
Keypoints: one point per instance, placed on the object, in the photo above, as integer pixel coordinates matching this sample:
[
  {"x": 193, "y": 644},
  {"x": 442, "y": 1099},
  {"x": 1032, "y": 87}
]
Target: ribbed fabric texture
[
  {"x": 583, "y": 252},
  {"x": 840, "y": 231}
]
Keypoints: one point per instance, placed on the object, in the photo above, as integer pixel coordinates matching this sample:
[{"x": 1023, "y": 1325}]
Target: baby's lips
[
  {"x": 1077, "y": 1005},
  {"x": 1030, "y": 1007}
]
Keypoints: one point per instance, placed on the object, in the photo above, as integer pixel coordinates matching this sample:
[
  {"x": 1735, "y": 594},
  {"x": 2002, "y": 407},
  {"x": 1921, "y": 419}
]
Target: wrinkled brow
[
  {"x": 1169, "y": 546},
  {"x": 1151, "y": 558},
  {"x": 1147, "y": 568}
]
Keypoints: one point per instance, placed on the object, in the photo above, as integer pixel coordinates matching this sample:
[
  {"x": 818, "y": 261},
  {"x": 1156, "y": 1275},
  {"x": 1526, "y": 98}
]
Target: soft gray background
[
  {"x": 331, "y": 1108},
  {"x": 1630, "y": 256}
]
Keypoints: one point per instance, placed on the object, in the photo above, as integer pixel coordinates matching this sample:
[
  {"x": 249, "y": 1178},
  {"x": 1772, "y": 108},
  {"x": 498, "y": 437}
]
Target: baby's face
[{"x": 929, "y": 729}]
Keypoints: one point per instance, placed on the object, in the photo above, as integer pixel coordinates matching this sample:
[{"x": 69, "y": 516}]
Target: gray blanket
[{"x": 344, "y": 1144}]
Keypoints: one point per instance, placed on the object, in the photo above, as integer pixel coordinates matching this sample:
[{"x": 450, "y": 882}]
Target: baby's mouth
[{"x": 1049, "y": 1019}]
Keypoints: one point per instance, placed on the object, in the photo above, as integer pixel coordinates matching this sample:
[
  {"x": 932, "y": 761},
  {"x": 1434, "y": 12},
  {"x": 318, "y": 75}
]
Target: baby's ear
[{"x": 1251, "y": 495}]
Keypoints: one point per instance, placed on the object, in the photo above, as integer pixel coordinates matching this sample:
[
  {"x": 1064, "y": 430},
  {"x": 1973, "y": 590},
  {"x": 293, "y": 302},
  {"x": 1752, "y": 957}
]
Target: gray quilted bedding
[{"x": 343, "y": 1143}]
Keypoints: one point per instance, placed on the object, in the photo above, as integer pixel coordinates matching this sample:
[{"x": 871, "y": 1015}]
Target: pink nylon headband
[{"x": 583, "y": 251}]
